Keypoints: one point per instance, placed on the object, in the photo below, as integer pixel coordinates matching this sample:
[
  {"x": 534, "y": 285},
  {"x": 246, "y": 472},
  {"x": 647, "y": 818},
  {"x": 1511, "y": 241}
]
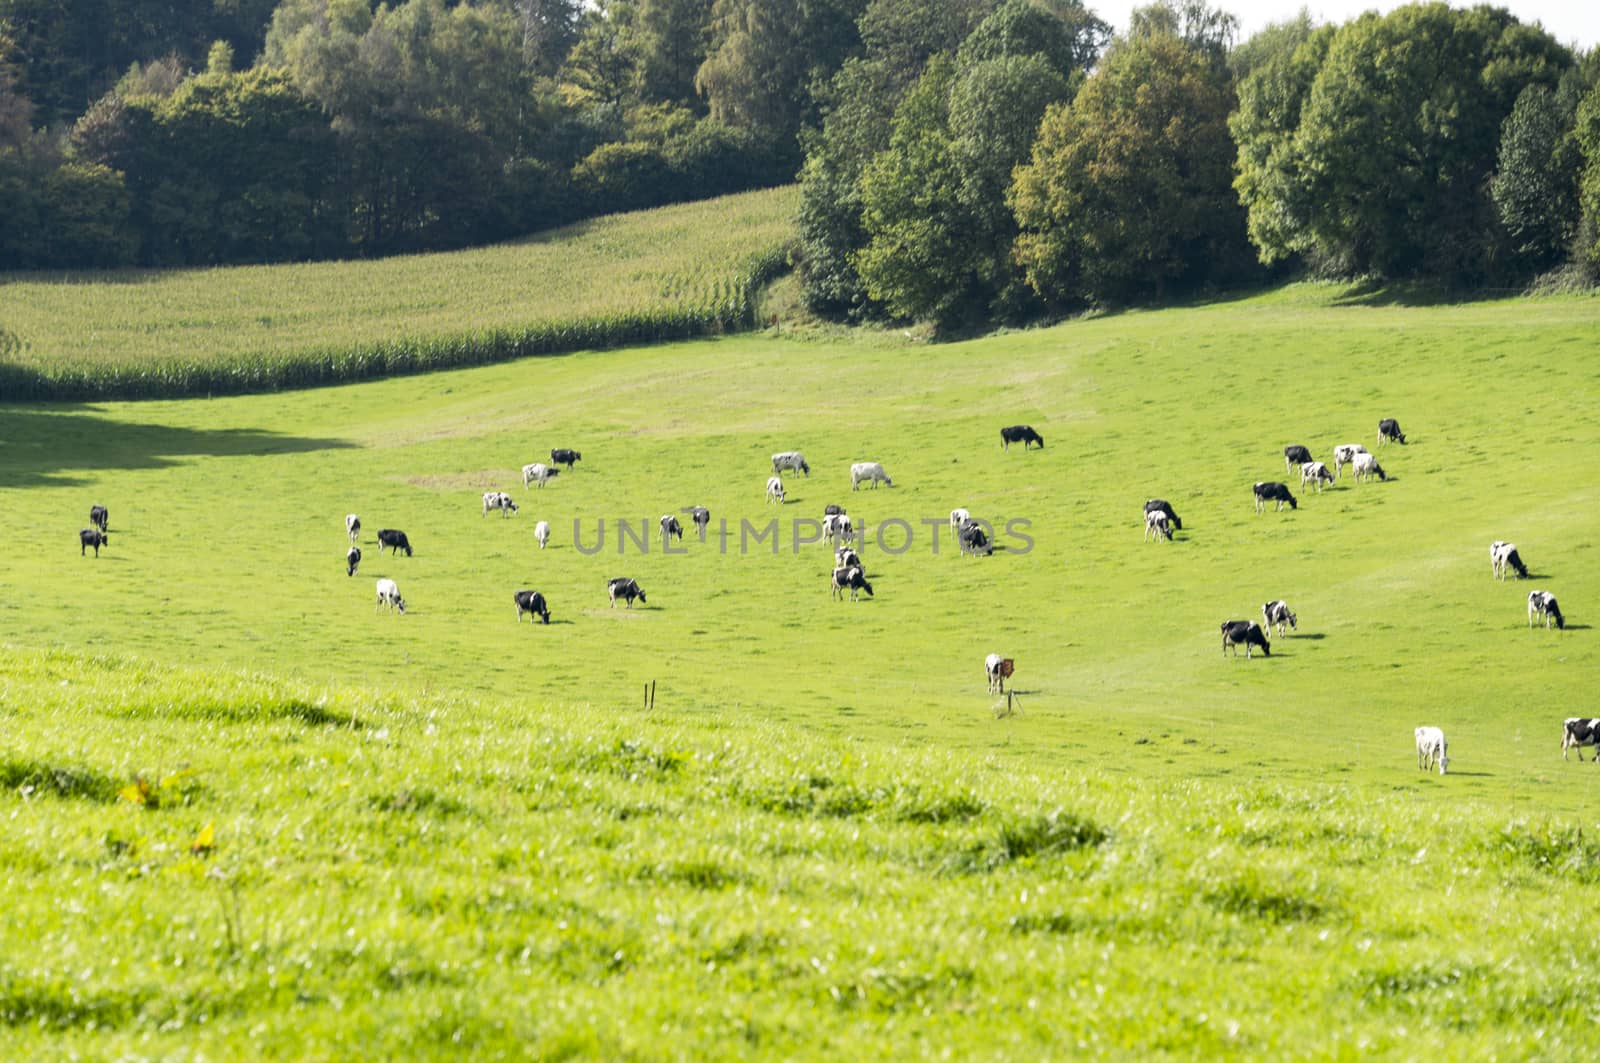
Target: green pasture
[{"x": 449, "y": 829}]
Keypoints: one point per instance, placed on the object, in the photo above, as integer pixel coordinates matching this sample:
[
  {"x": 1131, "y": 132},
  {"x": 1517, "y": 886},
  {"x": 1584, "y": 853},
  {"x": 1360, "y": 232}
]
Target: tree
[
  {"x": 672, "y": 39},
  {"x": 1127, "y": 193},
  {"x": 1586, "y": 134},
  {"x": 601, "y": 66},
  {"x": 1536, "y": 184},
  {"x": 1208, "y": 30},
  {"x": 1068, "y": 38}
]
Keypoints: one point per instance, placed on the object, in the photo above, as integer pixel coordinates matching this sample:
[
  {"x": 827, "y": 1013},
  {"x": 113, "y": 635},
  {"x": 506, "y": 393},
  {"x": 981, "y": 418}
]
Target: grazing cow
[
  {"x": 958, "y": 517},
  {"x": 1542, "y": 605},
  {"x": 1580, "y": 731},
  {"x": 846, "y": 557},
  {"x": 1267, "y": 491},
  {"x": 998, "y": 669},
  {"x": 1165, "y": 507},
  {"x": 389, "y": 596},
  {"x": 1020, "y": 433},
  {"x": 1389, "y": 431},
  {"x": 394, "y": 540},
  {"x": 1344, "y": 454},
  {"x": 1277, "y": 613},
  {"x": 974, "y": 540},
  {"x": 1316, "y": 474},
  {"x": 99, "y": 517},
  {"x": 1293, "y": 455},
  {"x": 531, "y": 602},
  {"x": 701, "y": 518},
  {"x": 1504, "y": 555},
  {"x": 352, "y": 527},
  {"x": 775, "y": 490},
  {"x": 1366, "y": 465},
  {"x": 838, "y": 527},
  {"x": 626, "y": 589},
  {"x": 498, "y": 500},
  {"x": 1433, "y": 750},
  {"x": 868, "y": 470},
  {"x": 91, "y": 537},
  {"x": 670, "y": 527},
  {"x": 539, "y": 474},
  {"x": 541, "y": 532},
  {"x": 563, "y": 456},
  {"x": 852, "y": 579},
  {"x": 1244, "y": 632},
  {"x": 352, "y": 559},
  {"x": 1157, "y": 525},
  {"x": 791, "y": 460}
]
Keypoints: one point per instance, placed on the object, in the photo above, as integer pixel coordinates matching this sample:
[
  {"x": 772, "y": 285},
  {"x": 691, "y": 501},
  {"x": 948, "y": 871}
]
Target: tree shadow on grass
[{"x": 47, "y": 447}]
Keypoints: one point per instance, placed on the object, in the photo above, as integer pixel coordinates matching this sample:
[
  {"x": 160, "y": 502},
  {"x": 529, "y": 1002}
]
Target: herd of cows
[{"x": 849, "y": 576}]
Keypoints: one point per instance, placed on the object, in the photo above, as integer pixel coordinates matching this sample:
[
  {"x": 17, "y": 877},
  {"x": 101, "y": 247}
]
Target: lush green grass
[
  {"x": 822, "y": 838},
  {"x": 672, "y": 272}
]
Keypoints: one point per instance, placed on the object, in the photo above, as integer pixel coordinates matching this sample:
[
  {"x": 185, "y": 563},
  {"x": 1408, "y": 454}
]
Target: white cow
[
  {"x": 537, "y": 473},
  {"x": 1344, "y": 455},
  {"x": 1432, "y": 749},
  {"x": 1366, "y": 466},
  {"x": 352, "y": 526},
  {"x": 792, "y": 461},
  {"x": 958, "y": 517},
  {"x": 775, "y": 490},
  {"x": 1314, "y": 473},
  {"x": 1157, "y": 525},
  {"x": 868, "y": 470},
  {"x": 498, "y": 500},
  {"x": 998, "y": 669},
  {"x": 389, "y": 596},
  {"x": 541, "y": 532}
]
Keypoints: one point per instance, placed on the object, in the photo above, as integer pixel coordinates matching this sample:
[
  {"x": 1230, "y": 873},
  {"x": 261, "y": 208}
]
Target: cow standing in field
[
  {"x": 1432, "y": 749},
  {"x": 563, "y": 456},
  {"x": 100, "y": 518},
  {"x": 352, "y": 527},
  {"x": 1366, "y": 466},
  {"x": 852, "y": 579},
  {"x": 626, "y": 589},
  {"x": 91, "y": 537},
  {"x": 1276, "y": 614},
  {"x": 1580, "y": 731},
  {"x": 838, "y": 528},
  {"x": 1157, "y": 526},
  {"x": 394, "y": 540},
  {"x": 389, "y": 597},
  {"x": 1503, "y": 556},
  {"x": 1389, "y": 431},
  {"x": 974, "y": 540},
  {"x": 531, "y": 602},
  {"x": 1162, "y": 505},
  {"x": 846, "y": 557},
  {"x": 541, "y": 532},
  {"x": 1267, "y": 491},
  {"x": 868, "y": 470},
  {"x": 792, "y": 461},
  {"x": 1294, "y": 455},
  {"x": 539, "y": 474},
  {"x": 1246, "y": 633},
  {"x": 998, "y": 669},
  {"x": 775, "y": 490},
  {"x": 1542, "y": 606},
  {"x": 498, "y": 500},
  {"x": 1344, "y": 454},
  {"x": 669, "y": 528},
  {"x": 1316, "y": 474},
  {"x": 352, "y": 559},
  {"x": 1020, "y": 433}
]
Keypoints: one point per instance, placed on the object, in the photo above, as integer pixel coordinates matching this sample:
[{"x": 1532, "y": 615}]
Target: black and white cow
[
  {"x": 352, "y": 559},
  {"x": 1277, "y": 614},
  {"x": 531, "y": 602},
  {"x": 1165, "y": 507},
  {"x": 1247, "y": 633},
  {"x": 775, "y": 489},
  {"x": 538, "y": 473},
  {"x": 1503, "y": 556},
  {"x": 838, "y": 528},
  {"x": 626, "y": 589},
  {"x": 352, "y": 527},
  {"x": 701, "y": 518},
  {"x": 1389, "y": 431},
  {"x": 1344, "y": 454},
  {"x": 1020, "y": 433},
  {"x": 498, "y": 500},
  {"x": 1542, "y": 606},
  {"x": 1580, "y": 731},
  {"x": 1316, "y": 474},
  {"x": 99, "y": 517},
  {"x": 974, "y": 540},
  {"x": 1267, "y": 491},
  {"x": 846, "y": 557},
  {"x": 1295, "y": 455},
  {"x": 389, "y": 597},
  {"x": 91, "y": 537},
  {"x": 1157, "y": 525},
  {"x": 394, "y": 540},
  {"x": 851, "y": 579},
  {"x": 1366, "y": 466},
  {"x": 792, "y": 461},
  {"x": 669, "y": 528},
  {"x": 998, "y": 669},
  {"x": 563, "y": 456}
]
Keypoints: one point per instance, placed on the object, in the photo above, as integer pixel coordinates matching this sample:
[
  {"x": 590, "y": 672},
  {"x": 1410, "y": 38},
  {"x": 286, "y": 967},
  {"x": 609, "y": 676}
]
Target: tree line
[{"x": 960, "y": 160}]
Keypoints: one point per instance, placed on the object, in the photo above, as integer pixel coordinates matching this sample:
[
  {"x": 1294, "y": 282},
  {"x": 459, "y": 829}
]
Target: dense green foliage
[
  {"x": 670, "y": 273},
  {"x": 446, "y": 828}
]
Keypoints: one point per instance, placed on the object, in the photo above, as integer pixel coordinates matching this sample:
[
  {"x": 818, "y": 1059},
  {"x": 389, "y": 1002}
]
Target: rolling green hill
[{"x": 447, "y": 826}]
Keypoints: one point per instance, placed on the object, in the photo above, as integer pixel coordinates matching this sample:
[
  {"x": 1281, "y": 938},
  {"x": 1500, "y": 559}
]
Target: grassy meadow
[{"x": 447, "y": 830}]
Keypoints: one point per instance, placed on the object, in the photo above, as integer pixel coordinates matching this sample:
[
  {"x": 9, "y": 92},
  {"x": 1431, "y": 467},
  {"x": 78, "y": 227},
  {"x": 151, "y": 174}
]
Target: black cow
[
  {"x": 394, "y": 540},
  {"x": 1389, "y": 429},
  {"x": 1294, "y": 455},
  {"x": 1020, "y": 433},
  {"x": 1166, "y": 507},
  {"x": 670, "y": 527},
  {"x": 91, "y": 537},
  {"x": 974, "y": 540},
  {"x": 352, "y": 559},
  {"x": 531, "y": 602},
  {"x": 851, "y": 579},
  {"x": 1580, "y": 731},
  {"x": 1273, "y": 492},
  {"x": 563, "y": 456},
  {"x": 1246, "y": 633},
  {"x": 99, "y": 518},
  {"x": 625, "y": 588},
  {"x": 701, "y": 516}
]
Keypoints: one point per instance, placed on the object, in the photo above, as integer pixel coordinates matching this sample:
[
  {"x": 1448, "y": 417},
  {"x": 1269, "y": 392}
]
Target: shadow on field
[
  {"x": 1416, "y": 293},
  {"x": 44, "y": 447},
  {"x": 1314, "y": 636}
]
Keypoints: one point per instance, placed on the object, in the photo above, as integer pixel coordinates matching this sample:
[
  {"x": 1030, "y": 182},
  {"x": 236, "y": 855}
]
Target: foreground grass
[
  {"x": 405, "y": 875},
  {"x": 666, "y": 273}
]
